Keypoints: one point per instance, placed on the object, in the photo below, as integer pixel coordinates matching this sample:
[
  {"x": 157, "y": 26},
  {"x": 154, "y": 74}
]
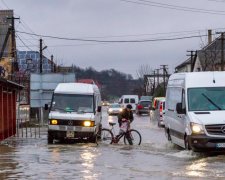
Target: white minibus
[
  {"x": 195, "y": 110},
  {"x": 75, "y": 112}
]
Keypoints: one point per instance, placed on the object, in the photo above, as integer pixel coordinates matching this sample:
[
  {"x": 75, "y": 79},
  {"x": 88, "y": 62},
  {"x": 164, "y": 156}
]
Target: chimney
[{"x": 209, "y": 36}]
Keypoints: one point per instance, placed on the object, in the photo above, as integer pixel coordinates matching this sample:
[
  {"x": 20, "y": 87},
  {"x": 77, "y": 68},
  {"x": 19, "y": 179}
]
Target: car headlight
[
  {"x": 110, "y": 110},
  {"x": 121, "y": 109},
  {"x": 197, "y": 128}
]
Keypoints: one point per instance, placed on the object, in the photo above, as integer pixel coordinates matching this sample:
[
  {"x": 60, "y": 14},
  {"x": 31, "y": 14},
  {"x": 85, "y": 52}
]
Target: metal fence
[{"x": 30, "y": 129}]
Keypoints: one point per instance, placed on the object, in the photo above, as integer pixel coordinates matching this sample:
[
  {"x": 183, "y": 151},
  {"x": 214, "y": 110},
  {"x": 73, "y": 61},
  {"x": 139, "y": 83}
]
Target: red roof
[{"x": 89, "y": 81}]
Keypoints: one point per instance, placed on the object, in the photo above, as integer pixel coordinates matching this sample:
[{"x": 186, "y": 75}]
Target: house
[
  {"x": 8, "y": 99},
  {"x": 209, "y": 58}
]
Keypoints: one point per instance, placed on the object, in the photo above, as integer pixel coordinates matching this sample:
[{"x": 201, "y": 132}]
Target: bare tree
[{"x": 145, "y": 83}]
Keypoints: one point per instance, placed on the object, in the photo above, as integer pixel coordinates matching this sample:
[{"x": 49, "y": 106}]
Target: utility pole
[
  {"x": 154, "y": 83},
  {"x": 52, "y": 64},
  {"x": 222, "y": 50},
  {"x": 14, "y": 64},
  {"x": 41, "y": 55},
  {"x": 164, "y": 67},
  {"x": 157, "y": 70}
]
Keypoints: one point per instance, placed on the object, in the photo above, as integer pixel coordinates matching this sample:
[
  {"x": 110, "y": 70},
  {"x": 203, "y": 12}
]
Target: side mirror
[
  {"x": 46, "y": 106},
  {"x": 99, "y": 109},
  {"x": 179, "y": 109}
]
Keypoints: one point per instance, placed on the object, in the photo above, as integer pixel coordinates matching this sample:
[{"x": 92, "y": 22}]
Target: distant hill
[{"x": 113, "y": 83}]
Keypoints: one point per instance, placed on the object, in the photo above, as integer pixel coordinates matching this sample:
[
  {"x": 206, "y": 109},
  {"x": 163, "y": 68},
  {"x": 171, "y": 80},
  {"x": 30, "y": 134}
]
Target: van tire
[
  {"x": 167, "y": 133},
  {"x": 50, "y": 138},
  {"x": 186, "y": 143}
]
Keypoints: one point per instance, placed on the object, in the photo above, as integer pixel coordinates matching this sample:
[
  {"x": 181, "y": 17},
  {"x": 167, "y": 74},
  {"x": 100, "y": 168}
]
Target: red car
[{"x": 143, "y": 107}]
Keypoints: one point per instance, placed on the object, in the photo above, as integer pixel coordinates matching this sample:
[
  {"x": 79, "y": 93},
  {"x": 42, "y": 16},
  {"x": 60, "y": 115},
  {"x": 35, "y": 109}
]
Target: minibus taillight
[{"x": 161, "y": 107}]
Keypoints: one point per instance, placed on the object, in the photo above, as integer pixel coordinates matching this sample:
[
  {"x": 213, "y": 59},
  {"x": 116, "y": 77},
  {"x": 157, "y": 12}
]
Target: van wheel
[
  {"x": 50, "y": 139},
  {"x": 186, "y": 143},
  {"x": 167, "y": 133}
]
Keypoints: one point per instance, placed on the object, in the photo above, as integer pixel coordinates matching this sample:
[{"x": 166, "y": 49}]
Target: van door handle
[{"x": 179, "y": 116}]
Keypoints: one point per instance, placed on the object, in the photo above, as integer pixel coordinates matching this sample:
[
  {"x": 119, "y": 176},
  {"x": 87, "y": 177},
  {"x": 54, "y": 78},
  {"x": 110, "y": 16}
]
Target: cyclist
[{"x": 124, "y": 120}]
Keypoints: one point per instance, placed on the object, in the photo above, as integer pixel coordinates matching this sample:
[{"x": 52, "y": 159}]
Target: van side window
[
  {"x": 174, "y": 96},
  {"x": 132, "y": 100},
  {"x": 126, "y": 100}
]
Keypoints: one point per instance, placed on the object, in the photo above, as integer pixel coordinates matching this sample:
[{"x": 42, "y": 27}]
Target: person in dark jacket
[
  {"x": 124, "y": 120},
  {"x": 126, "y": 114}
]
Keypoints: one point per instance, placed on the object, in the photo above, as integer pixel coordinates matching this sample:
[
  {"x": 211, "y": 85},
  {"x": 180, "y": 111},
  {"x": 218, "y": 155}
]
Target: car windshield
[
  {"x": 206, "y": 99},
  {"x": 73, "y": 103},
  {"x": 145, "y": 103},
  {"x": 114, "y": 106}
]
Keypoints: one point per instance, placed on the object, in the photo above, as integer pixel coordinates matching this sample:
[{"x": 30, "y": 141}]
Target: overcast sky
[{"x": 117, "y": 20}]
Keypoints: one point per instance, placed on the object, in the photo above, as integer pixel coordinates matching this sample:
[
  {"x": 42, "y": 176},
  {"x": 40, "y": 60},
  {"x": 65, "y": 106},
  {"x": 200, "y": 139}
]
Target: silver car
[{"x": 114, "y": 109}]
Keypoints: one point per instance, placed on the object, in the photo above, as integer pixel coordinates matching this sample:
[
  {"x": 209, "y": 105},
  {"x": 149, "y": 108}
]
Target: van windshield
[
  {"x": 206, "y": 99},
  {"x": 73, "y": 103}
]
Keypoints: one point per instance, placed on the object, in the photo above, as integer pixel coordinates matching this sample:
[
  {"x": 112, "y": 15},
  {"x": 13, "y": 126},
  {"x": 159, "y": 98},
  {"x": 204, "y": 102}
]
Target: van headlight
[
  {"x": 87, "y": 123},
  {"x": 197, "y": 128},
  {"x": 54, "y": 121}
]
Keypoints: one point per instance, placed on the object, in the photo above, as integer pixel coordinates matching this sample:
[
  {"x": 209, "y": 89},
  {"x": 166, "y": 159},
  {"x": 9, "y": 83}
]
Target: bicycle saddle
[{"x": 112, "y": 124}]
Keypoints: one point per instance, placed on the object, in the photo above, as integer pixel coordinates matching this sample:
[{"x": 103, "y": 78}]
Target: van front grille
[
  {"x": 72, "y": 122},
  {"x": 218, "y": 129}
]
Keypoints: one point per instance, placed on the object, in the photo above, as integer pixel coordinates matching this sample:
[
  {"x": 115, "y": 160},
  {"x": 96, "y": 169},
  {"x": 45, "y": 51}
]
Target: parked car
[
  {"x": 114, "y": 109},
  {"x": 158, "y": 110},
  {"x": 143, "y": 107}
]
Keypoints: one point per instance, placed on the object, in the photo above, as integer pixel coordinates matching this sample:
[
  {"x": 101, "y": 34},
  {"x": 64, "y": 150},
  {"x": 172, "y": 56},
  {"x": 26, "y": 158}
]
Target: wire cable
[
  {"x": 115, "y": 41},
  {"x": 180, "y": 8}
]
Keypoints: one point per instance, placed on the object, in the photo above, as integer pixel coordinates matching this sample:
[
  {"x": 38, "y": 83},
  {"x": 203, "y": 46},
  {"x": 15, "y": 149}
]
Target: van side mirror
[
  {"x": 99, "y": 109},
  {"x": 179, "y": 109},
  {"x": 46, "y": 106}
]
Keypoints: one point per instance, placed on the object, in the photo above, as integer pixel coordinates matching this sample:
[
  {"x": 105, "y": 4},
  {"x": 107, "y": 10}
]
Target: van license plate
[
  {"x": 220, "y": 145},
  {"x": 70, "y": 134}
]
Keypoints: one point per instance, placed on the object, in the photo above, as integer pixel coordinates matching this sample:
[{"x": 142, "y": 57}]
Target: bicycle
[{"x": 131, "y": 136}]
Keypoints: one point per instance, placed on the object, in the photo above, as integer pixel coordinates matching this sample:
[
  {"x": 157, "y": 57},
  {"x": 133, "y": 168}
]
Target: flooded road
[{"x": 155, "y": 158}]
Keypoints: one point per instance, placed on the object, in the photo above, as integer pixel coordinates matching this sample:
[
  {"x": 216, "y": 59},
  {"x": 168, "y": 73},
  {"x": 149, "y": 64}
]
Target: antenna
[{"x": 214, "y": 81}]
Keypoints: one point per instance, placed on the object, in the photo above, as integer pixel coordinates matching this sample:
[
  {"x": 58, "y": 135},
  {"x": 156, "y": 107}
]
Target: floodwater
[{"x": 155, "y": 158}]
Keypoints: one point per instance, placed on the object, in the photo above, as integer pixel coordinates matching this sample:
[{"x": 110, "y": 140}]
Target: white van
[
  {"x": 75, "y": 112},
  {"x": 195, "y": 110},
  {"x": 129, "y": 99}
]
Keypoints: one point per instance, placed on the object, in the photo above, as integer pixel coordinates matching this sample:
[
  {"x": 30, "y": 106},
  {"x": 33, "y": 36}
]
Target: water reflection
[
  {"x": 7, "y": 163},
  {"x": 197, "y": 168},
  {"x": 88, "y": 158}
]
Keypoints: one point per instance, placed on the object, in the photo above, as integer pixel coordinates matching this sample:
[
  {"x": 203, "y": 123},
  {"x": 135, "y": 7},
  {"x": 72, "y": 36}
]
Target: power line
[
  {"x": 23, "y": 42},
  {"x": 115, "y": 41},
  {"x": 174, "y": 7},
  {"x": 3, "y": 2}
]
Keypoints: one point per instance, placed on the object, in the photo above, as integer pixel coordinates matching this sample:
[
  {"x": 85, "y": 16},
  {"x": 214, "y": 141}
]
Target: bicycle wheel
[
  {"x": 132, "y": 137},
  {"x": 106, "y": 136}
]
